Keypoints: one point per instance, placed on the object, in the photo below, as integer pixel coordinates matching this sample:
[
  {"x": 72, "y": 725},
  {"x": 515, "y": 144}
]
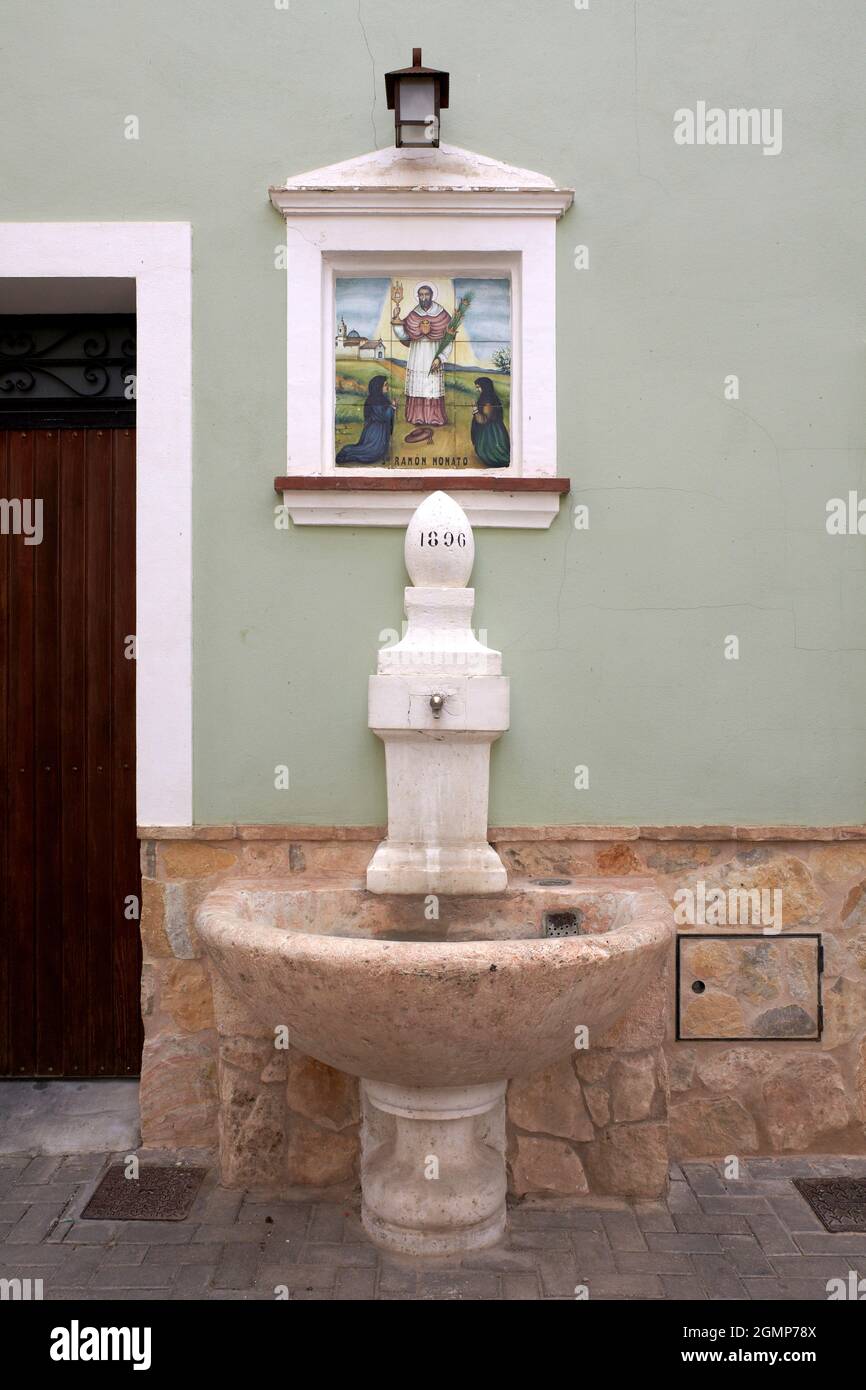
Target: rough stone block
[
  {"x": 318, "y": 1157},
  {"x": 806, "y": 1102},
  {"x": 706, "y": 1127},
  {"x": 327, "y": 1097},
  {"x": 178, "y": 1092},
  {"x": 629, "y": 1160},
  {"x": 546, "y": 1166},
  {"x": 550, "y": 1103}
]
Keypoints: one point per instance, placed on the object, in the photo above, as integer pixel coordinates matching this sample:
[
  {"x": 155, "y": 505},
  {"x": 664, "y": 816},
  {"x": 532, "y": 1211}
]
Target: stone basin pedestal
[{"x": 432, "y": 1166}]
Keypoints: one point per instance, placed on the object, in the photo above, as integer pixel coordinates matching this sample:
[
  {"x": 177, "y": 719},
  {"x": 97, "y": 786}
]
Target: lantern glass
[{"x": 417, "y": 99}]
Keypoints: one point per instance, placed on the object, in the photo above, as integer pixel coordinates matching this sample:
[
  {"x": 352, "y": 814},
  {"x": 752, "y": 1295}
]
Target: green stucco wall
[{"x": 707, "y": 516}]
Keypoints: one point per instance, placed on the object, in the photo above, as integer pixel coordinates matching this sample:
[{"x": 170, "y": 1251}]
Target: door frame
[{"x": 158, "y": 256}]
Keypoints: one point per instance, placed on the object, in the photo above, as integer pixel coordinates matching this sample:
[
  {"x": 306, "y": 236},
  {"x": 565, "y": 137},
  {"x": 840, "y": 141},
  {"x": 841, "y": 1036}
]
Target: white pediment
[{"x": 437, "y": 179}]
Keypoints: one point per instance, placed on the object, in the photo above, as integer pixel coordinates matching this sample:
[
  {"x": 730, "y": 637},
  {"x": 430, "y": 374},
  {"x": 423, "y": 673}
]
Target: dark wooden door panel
[{"x": 69, "y": 946}]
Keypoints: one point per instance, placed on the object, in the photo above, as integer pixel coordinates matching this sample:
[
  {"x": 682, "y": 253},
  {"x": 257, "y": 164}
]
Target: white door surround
[{"x": 158, "y": 256}]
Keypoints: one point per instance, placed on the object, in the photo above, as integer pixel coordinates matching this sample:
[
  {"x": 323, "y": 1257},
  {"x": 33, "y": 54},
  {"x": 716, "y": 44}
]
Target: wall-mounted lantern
[{"x": 416, "y": 95}]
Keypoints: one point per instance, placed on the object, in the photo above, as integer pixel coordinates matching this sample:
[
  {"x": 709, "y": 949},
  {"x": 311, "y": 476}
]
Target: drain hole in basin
[
  {"x": 561, "y": 923},
  {"x": 551, "y": 882}
]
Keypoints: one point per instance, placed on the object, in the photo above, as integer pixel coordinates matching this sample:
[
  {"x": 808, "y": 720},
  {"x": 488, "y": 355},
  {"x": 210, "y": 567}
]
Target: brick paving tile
[
  {"x": 686, "y": 1244},
  {"x": 218, "y": 1205},
  {"x": 192, "y": 1279},
  {"x": 458, "y": 1285},
  {"x": 532, "y": 1219},
  {"x": 681, "y": 1286},
  {"x": 544, "y": 1240},
  {"x": 92, "y": 1232},
  {"x": 41, "y": 1169},
  {"x": 327, "y": 1224},
  {"x": 177, "y": 1255},
  {"x": 122, "y": 1254},
  {"x": 16, "y": 1256},
  {"x": 237, "y": 1267},
  {"x": 60, "y": 1193},
  {"x": 681, "y": 1198},
  {"x": 746, "y": 1255},
  {"x": 734, "y": 1205},
  {"x": 154, "y": 1233},
  {"x": 592, "y": 1252},
  {"x": 718, "y": 1277},
  {"x": 117, "y": 1277},
  {"x": 796, "y": 1213},
  {"x": 703, "y": 1179},
  {"x": 558, "y": 1274},
  {"x": 290, "y": 1220},
  {"x": 293, "y": 1277},
  {"x": 12, "y": 1212},
  {"x": 655, "y": 1217},
  {"x": 520, "y": 1287},
  {"x": 353, "y": 1231},
  {"x": 816, "y": 1266},
  {"x": 829, "y": 1243},
  {"x": 237, "y": 1234},
  {"x": 781, "y": 1167},
  {"x": 341, "y": 1256},
  {"x": 60, "y": 1294},
  {"x": 84, "y": 1166},
  {"x": 711, "y": 1223},
  {"x": 396, "y": 1277},
  {"x": 653, "y": 1262},
  {"x": 355, "y": 1283},
  {"x": 625, "y": 1286},
  {"x": 772, "y": 1235},
  {"x": 80, "y": 1263},
  {"x": 813, "y": 1290},
  {"x": 623, "y": 1232},
  {"x": 501, "y": 1260},
  {"x": 36, "y": 1224}
]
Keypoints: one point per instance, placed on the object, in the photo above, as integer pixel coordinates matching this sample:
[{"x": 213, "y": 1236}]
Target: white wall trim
[
  {"x": 158, "y": 256},
  {"x": 514, "y": 510}
]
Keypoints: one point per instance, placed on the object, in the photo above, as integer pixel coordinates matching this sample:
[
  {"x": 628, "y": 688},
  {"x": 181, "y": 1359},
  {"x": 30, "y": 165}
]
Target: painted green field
[{"x": 452, "y": 441}]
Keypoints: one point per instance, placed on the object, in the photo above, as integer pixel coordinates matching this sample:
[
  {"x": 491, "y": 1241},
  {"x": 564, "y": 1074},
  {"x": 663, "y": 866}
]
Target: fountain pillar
[
  {"x": 433, "y": 1167},
  {"x": 438, "y": 701}
]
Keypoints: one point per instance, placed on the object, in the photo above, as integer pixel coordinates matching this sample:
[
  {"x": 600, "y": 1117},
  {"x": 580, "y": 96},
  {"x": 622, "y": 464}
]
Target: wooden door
[{"x": 70, "y": 885}]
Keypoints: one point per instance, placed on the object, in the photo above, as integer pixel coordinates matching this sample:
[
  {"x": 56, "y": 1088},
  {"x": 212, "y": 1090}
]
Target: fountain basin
[
  {"x": 435, "y": 1016},
  {"x": 367, "y": 984}
]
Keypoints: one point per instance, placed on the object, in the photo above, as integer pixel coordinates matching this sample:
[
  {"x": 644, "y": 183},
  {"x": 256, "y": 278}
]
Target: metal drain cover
[
  {"x": 157, "y": 1194},
  {"x": 561, "y": 923},
  {"x": 838, "y": 1203}
]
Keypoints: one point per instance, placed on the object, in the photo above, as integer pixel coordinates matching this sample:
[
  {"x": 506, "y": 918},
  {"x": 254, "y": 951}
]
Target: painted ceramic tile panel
[{"x": 422, "y": 371}]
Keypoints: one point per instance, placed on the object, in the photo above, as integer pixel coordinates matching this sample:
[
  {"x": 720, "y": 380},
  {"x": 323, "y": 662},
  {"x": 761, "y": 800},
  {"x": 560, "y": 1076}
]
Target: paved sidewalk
[{"x": 751, "y": 1239}]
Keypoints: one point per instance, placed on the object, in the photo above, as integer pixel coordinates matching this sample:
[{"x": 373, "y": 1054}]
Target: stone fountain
[{"x": 436, "y": 983}]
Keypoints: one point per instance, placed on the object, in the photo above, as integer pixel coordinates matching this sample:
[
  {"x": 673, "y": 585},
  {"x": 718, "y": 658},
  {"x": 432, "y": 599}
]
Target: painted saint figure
[
  {"x": 375, "y": 442},
  {"x": 489, "y": 432},
  {"x": 422, "y": 330}
]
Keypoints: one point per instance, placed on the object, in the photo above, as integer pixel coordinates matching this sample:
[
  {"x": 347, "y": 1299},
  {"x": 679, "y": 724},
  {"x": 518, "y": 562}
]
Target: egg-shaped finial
[{"x": 440, "y": 546}]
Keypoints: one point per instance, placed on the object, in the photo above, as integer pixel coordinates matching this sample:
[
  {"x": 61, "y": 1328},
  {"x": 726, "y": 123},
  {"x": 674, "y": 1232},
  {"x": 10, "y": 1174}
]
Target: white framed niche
[{"x": 429, "y": 211}]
